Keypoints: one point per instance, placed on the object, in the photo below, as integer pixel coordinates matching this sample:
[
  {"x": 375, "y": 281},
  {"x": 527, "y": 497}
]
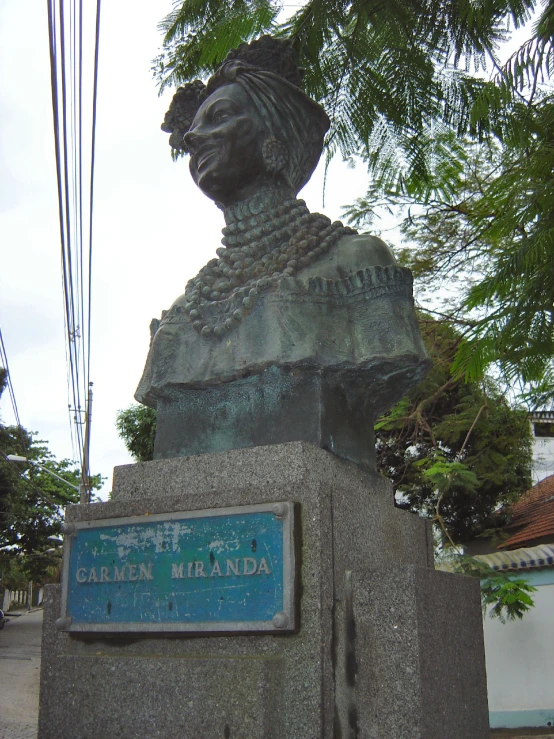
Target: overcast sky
[{"x": 153, "y": 229}]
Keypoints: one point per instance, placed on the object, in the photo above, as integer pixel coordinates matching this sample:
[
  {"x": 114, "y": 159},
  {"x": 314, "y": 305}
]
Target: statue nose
[{"x": 192, "y": 141}]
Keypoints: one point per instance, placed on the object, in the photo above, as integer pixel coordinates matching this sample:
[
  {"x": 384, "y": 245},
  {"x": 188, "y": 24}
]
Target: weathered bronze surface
[{"x": 301, "y": 329}]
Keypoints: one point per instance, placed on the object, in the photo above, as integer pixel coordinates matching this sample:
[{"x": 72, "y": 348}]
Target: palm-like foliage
[
  {"x": 484, "y": 222},
  {"x": 198, "y": 35},
  {"x": 517, "y": 291},
  {"x": 388, "y": 73}
]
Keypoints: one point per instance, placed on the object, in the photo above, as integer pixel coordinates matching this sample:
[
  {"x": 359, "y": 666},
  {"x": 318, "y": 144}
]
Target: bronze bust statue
[{"x": 300, "y": 329}]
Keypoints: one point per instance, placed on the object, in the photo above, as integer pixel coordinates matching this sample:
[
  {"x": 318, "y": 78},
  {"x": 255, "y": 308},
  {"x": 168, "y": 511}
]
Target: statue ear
[{"x": 275, "y": 155}]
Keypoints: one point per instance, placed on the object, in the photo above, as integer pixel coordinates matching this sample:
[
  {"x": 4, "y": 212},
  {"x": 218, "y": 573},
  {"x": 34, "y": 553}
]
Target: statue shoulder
[
  {"x": 351, "y": 254},
  {"x": 363, "y": 250}
]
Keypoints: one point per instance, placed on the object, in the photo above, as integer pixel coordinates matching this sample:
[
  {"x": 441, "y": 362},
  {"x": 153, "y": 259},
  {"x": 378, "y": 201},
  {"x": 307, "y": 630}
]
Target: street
[{"x": 19, "y": 676}]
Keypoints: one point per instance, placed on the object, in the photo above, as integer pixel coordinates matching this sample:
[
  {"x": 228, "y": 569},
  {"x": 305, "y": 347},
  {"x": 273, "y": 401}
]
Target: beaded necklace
[{"x": 265, "y": 238}]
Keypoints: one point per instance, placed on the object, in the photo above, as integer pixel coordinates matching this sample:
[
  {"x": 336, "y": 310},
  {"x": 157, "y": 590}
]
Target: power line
[
  {"x": 52, "y": 32},
  {"x": 4, "y": 363},
  {"x": 92, "y": 152},
  {"x": 75, "y": 196}
]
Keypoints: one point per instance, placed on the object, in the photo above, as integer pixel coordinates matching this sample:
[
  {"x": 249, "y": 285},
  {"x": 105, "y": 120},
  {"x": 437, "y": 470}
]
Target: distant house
[
  {"x": 520, "y": 655},
  {"x": 542, "y": 424}
]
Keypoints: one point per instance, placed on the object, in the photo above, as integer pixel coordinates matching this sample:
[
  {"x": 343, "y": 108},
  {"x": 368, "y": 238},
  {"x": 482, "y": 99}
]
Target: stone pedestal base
[{"x": 387, "y": 647}]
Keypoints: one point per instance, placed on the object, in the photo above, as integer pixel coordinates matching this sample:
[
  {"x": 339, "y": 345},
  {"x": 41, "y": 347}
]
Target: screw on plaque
[
  {"x": 280, "y": 620},
  {"x": 280, "y": 510},
  {"x": 68, "y": 528},
  {"x": 63, "y": 624}
]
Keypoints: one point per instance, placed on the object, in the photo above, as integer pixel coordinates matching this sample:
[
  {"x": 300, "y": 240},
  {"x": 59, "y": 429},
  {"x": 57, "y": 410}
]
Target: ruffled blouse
[{"x": 363, "y": 322}]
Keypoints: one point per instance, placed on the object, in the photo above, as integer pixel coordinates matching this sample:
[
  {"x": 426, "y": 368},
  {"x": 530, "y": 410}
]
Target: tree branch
[{"x": 481, "y": 409}]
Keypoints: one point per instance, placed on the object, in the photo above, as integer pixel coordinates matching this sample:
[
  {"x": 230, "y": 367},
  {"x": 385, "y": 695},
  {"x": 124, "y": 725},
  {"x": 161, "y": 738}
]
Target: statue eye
[{"x": 221, "y": 115}]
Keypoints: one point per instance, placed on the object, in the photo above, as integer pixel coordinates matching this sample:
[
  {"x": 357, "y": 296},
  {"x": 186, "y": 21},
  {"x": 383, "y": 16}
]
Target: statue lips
[
  {"x": 203, "y": 147},
  {"x": 205, "y": 165},
  {"x": 204, "y": 156}
]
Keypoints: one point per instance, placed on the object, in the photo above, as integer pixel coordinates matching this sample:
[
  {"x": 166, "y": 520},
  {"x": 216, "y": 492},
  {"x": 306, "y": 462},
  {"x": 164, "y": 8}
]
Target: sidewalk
[
  {"x": 20, "y": 651},
  {"x": 18, "y": 730},
  {"x": 21, "y": 611}
]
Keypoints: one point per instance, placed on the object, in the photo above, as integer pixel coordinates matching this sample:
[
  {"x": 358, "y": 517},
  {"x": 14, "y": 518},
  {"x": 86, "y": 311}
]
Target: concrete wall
[
  {"x": 520, "y": 661},
  {"x": 17, "y": 597}
]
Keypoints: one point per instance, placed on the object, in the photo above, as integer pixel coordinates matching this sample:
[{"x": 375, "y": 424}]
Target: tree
[
  {"x": 136, "y": 425},
  {"x": 490, "y": 235},
  {"x": 12, "y": 576},
  {"x": 31, "y": 500},
  {"x": 389, "y": 74},
  {"x": 454, "y": 450},
  {"x": 516, "y": 295},
  {"x": 486, "y": 214}
]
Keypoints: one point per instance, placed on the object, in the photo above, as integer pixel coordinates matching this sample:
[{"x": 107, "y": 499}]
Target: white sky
[{"x": 153, "y": 229}]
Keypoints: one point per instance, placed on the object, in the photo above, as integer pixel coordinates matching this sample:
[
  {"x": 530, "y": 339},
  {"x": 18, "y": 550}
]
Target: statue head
[{"x": 251, "y": 126}]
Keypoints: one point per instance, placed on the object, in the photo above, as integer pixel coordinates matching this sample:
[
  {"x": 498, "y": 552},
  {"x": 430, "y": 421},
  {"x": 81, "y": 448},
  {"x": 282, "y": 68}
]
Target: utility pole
[{"x": 84, "y": 487}]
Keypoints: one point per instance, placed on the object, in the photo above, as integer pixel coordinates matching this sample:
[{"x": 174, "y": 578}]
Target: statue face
[{"x": 225, "y": 141}]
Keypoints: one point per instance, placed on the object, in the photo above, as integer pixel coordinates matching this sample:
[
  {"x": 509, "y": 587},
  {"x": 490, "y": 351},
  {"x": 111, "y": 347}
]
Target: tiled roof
[
  {"x": 533, "y": 515},
  {"x": 520, "y": 559}
]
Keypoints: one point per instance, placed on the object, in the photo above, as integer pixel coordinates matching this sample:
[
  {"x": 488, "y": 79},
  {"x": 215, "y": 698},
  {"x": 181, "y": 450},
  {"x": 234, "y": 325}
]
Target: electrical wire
[
  {"x": 70, "y": 233},
  {"x": 92, "y": 157},
  {"x": 70, "y": 89},
  {"x": 57, "y": 134},
  {"x": 5, "y": 364}
]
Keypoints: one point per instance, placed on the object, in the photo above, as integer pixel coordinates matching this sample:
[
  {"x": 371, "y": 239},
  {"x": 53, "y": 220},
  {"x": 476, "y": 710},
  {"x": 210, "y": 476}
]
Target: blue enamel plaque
[{"x": 222, "y": 570}]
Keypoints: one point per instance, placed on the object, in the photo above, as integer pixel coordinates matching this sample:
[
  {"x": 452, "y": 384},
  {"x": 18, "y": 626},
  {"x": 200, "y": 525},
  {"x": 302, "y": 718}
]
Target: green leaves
[
  {"x": 447, "y": 475},
  {"x": 454, "y": 450},
  {"x": 483, "y": 223},
  {"x": 34, "y": 509},
  {"x": 516, "y": 295},
  {"x": 32, "y": 503},
  {"x": 136, "y": 425},
  {"x": 388, "y": 74},
  {"x": 503, "y": 595},
  {"x": 509, "y": 598},
  {"x": 198, "y": 35}
]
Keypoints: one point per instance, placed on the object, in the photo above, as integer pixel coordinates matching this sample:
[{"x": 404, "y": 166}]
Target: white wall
[
  {"x": 543, "y": 458},
  {"x": 520, "y": 657}
]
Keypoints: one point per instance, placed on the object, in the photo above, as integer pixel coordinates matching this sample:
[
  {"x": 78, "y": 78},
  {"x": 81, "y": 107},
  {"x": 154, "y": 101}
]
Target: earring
[{"x": 274, "y": 154}]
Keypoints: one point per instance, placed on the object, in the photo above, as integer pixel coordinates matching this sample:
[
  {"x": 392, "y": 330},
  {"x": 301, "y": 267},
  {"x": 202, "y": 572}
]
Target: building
[
  {"x": 542, "y": 423},
  {"x": 520, "y": 654}
]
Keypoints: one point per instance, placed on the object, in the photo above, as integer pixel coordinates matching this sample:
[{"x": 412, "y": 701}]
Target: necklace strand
[{"x": 259, "y": 249}]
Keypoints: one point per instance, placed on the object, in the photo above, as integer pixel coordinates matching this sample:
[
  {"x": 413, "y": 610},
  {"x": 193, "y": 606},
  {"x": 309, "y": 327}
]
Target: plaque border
[{"x": 284, "y": 622}]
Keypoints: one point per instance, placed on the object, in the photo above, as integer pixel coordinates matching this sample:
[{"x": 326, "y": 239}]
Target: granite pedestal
[{"x": 387, "y": 647}]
